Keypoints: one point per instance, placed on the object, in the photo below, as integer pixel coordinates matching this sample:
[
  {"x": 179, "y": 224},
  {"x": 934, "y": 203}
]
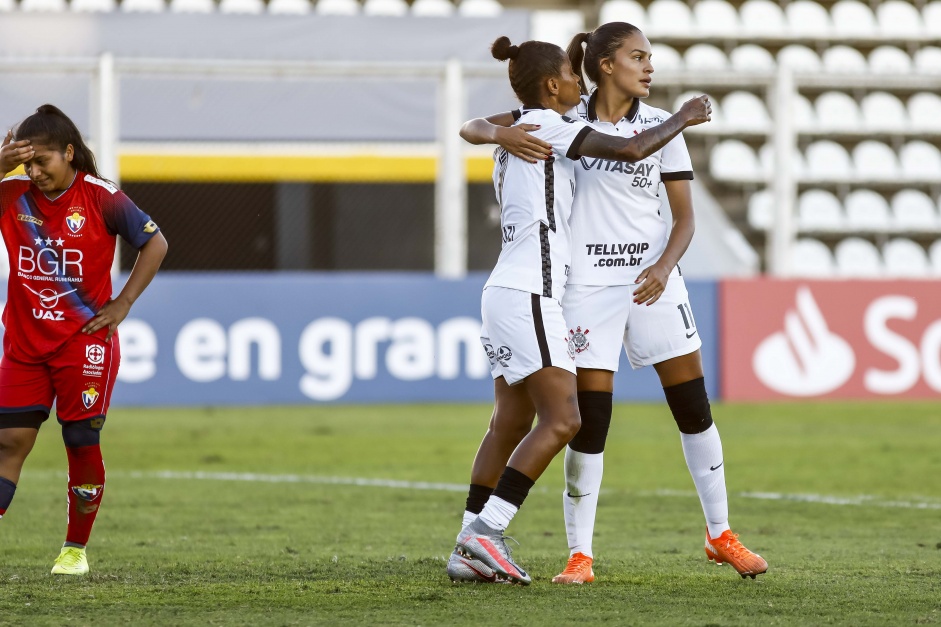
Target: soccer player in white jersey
[
  {"x": 524, "y": 332},
  {"x": 625, "y": 287}
]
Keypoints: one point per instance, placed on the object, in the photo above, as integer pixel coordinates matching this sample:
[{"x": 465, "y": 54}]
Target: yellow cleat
[
  {"x": 71, "y": 561},
  {"x": 727, "y": 548},
  {"x": 578, "y": 570}
]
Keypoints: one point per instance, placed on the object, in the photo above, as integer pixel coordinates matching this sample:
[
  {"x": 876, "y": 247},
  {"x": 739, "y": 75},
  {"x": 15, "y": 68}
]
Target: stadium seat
[
  {"x": 766, "y": 160},
  {"x": 866, "y": 210},
  {"x": 931, "y": 14},
  {"x": 913, "y": 210},
  {"x": 715, "y": 18},
  {"x": 623, "y": 11},
  {"x": 336, "y": 7},
  {"x": 857, "y": 258},
  {"x": 920, "y": 161},
  {"x": 192, "y": 6},
  {"x": 243, "y": 7},
  {"x": 904, "y": 258},
  {"x": 7, "y": 6},
  {"x": 667, "y": 18},
  {"x": 733, "y": 160},
  {"x": 934, "y": 256},
  {"x": 761, "y": 210},
  {"x": 557, "y": 27},
  {"x": 143, "y": 6},
  {"x": 385, "y": 8},
  {"x": 890, "y": 60},
  {"x": 432, "y": 8},
  {"x": 289, "y": 7},
  {"x": 745, "y": 112},
  {"x": 844, "y": 60},
  {"x": 828, "y": 161},
  {"x": 819, "y": 210},
  {"x": 93, "y": 6},
  {"x": 664, "y": 57},
  {"x": 804, "y": 117},
  {"x": 799, "y": 58},
  {"x": 479, "y": 8},
  {"x": 42, "y": 5},
  {"x": 705, "y": 58},
  {"x": 883, "y": 111},
  {"x": 875, "y": 161},
  {"x": 807, "y": 19},
  {"x": 899, "y": 20},
  {"x": 924, "y": 111},
  {"x": 752, "y": 58},
  {"x": 852, "y": 20},
  {"x": 762, "y": 18},
  {"x": 928, "y": 60},
  {"x": 715, "y": 123},
  {"x": 837, "y": 111},
  {"x": 811, "y": 258}
]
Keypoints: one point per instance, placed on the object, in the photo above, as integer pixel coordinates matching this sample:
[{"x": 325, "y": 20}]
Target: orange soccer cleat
[
  {"x": 578, "y": 570},
  {"x": 727, "y": 548}
]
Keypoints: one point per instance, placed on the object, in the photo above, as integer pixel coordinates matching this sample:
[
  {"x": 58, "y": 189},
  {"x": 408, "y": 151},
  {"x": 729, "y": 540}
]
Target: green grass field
[{"x": 229, "y": 517}]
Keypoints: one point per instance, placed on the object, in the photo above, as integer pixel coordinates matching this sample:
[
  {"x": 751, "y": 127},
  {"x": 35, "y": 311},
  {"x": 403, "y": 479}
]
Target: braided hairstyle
[
  {"x": 600, "y": 44},
  {"x": 53, "y": 128},
  {"x": 531, "y": 63}
]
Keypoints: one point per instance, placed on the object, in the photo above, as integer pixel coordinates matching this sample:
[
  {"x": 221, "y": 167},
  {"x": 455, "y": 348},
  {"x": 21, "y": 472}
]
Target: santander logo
[{"x": 806, "y": 358}]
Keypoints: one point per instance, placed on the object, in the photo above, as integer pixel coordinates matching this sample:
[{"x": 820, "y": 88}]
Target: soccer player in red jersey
[{"x": 59, "y": 224}]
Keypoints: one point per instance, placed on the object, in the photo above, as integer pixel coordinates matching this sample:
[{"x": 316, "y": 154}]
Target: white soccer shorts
[
  {"x": 603, "y": 318},
  {"x": 523, "y": 333}
]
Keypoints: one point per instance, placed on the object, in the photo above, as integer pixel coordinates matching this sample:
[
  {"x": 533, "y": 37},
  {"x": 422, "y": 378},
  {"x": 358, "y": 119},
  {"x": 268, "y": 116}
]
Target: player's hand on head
[
  {"x": 697, "y": 110},
  {"x": 653, "y": 281},
  {"x": 14, "y": 153},
  {"x": 111, "y": 315},
  {"x": 517, "y": 141}
]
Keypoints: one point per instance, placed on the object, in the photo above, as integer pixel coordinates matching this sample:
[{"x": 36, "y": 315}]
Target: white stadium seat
[
  {"x": 705, "y": 58},
  {"x": 143, "y": 6},
  {"x": 432, "y": 8},
  {"x": 904, "y": 258},
  {"x": 828, "y": 161},
  {"x": 6, "y": 6},
  {"x": 337, "y": 7},
  {"x": 858, "y": 258},
  {"x": 664, "y": 57},
  {"x": 807, "y": 19},
  {"x": 931, "y": 14},
  {"x": 667, "y": 18},
  {"x": 628, "y": 11},
  {"x": 761, "y": 210},
  {"x": 762, "y": 18},
  {"x": 745, "y": 112},
  {"x": 805, "y": 119},
  {"x": 800, "y": 59},
  {"x": 924, "y": 111},
  {"x": 192, "y": 6},
  {"x": 852, "y": 19},
  {"x": 752, "y": 58},
  {"x": 557, "y": 27},
  {"x": 819, "y": 210},
  {"x": 811, "y": 258},
  {"x": 920, "y": 161},
  {"x": 890, "y": 60},
  {"x": 928, "y": 60},
  {"x": 479, "y": 8},
  {"x": 93, "y": 6},
  {"x": 844, "y": 60},
  {"x": 244, "y": 7},
  {"x": 289, "y": 7},
  {"x": 733, "y": 160},
  {"x": 883, "y": 111},
  {"x": 385, "y": 8},
  {"x": 766, "y": 161},
  {"x": 934, "y": 256},
  {"x": 837, "y": 111},
  {"x": 866, "y": 210},
  {"x": 899, "y": 20},
  {"x": 42, "y": 5},
  {"x": 715, "y": 18},
  {"x": 875, "y": 161},
  {"x": 913, "y": 210}
]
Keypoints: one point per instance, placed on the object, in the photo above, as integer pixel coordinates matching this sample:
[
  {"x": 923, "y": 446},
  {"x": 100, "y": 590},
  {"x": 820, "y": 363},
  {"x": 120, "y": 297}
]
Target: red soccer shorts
[{"x": 79, "y": 378}]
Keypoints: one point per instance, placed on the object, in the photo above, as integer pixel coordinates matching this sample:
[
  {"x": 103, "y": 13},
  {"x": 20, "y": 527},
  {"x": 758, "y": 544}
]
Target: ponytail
[
  {"x": 50, "y": 126},
  {"x": 576, "y": 54}
]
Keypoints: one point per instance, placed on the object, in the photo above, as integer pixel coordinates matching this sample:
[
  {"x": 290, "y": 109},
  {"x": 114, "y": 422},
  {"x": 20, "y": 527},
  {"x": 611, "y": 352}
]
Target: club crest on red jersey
[
  {"x": 75, "y": 221},
  {"x": 87, "y": 491},
  {"x": 90, "y": 396}
]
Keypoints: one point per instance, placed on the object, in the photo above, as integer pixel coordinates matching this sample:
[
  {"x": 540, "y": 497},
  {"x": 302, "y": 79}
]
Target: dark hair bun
[{"x": 503, "y": 50}]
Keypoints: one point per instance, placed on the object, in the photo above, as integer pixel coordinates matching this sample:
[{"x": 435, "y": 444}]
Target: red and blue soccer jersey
[{"x": 61, "y": 252}]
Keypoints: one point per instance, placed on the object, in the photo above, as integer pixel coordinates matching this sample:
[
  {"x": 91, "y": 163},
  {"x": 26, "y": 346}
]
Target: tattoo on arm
[{"x": 634, "y": 148}]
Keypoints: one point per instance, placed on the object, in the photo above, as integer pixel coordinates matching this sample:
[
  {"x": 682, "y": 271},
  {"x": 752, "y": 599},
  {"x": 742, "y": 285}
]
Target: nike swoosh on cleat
[
  {"x": 492, "y": 550},
  {"x": 716, "y": 467},
  {"x": 577, "y": 496},
  {"x": 689, "y": 335}
]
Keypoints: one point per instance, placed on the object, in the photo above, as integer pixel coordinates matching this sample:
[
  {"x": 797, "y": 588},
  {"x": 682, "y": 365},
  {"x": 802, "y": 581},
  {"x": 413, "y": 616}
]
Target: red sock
[{"x": 86, "y": 483}]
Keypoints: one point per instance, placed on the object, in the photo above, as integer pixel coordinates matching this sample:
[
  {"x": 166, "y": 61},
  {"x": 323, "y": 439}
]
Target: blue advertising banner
[{"x": 294, "y": 338}]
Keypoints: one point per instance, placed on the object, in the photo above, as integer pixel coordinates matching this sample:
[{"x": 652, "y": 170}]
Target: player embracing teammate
[
  {"x": 60, "y": 344},
  {"x": 524, "y": 331}
]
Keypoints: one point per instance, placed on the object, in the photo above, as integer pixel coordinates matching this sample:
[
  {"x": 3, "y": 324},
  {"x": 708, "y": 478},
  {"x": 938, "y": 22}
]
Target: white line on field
[{"x": 253, "y": 477}]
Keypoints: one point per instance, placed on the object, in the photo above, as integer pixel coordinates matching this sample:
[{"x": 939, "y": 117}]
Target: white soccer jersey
[
  {"x": 535, "y": 207},
  {"x": 617, "y": 229}
]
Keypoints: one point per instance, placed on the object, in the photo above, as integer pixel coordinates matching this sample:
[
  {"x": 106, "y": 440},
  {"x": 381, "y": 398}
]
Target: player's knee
[
  {"x": 79, "y": 433},
  {"x": 564, "y": 426},
  {"x": 595, "y": 411},
  {"x": 690, "y": 406}
]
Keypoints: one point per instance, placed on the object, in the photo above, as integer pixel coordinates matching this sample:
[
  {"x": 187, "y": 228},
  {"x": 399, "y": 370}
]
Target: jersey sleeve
[
  {"x": 12, "y": 188},
  {"x": 675, "y": 164},
  {"x": 124, "y": 218},
  {"x": 566, "y": 136}
]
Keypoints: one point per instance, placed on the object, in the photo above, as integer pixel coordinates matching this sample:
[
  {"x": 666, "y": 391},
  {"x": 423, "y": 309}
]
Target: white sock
[
  {"x": 498, "y": 513},
  {"x": 580, "y": 500},
  {"x": 703, "y": 453},
  {"x": 469, "y": 517}
]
